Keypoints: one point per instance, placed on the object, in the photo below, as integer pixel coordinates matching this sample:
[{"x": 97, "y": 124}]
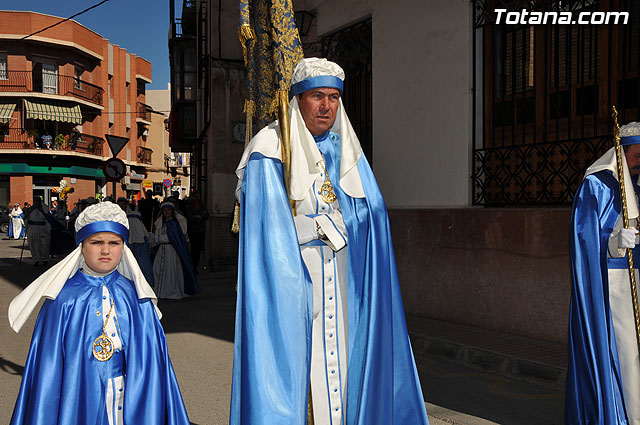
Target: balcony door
[{"x": 45, "y": 77}]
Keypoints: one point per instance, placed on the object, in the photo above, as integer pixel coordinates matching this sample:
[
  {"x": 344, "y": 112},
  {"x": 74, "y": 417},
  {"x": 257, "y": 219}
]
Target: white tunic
[
  {"x": 16, "y": 222},
  {"x": 624, "y": 326},
  {"x": 326, "y": 261}
]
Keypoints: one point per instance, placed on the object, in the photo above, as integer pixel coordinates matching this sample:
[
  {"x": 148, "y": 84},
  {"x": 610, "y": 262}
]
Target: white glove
[
  {"x": 627, "y": 238},
  {"x": 306, "y": 228},
  {"x": 66, "y": 217},
  {"x": 152, "y": 238}
]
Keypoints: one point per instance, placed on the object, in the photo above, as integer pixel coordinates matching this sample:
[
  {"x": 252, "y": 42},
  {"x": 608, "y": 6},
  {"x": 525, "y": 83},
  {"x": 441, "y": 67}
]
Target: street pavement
[{"x": 199, "y": 334}]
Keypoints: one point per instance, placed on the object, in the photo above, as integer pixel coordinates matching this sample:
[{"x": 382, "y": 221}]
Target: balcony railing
[
  {"x": 17, "y": 138},
  {"x": 144, "y": 155},
  {"x": 143, "y": 111},
  {"x": 38, "y": 82}
]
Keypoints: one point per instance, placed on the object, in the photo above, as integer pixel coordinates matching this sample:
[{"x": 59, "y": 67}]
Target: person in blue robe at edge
[
  {"x": 603, "y": 377},
  {"x": 16, "y": 229},
  {"x": 98, "y": 353},
  {"x": 139, "y": 239},
  {"x": 319, "y": 314},
  {"x": 173, "y": 272}
]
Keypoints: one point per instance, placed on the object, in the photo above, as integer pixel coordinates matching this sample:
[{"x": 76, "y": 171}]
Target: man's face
[
  {"x": 318, "y": 108},
  {"x": 632, "y": 155}
]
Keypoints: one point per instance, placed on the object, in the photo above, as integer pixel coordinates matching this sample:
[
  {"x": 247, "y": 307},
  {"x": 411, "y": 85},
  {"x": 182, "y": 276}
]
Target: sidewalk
[{"x": 538, "y": 362}]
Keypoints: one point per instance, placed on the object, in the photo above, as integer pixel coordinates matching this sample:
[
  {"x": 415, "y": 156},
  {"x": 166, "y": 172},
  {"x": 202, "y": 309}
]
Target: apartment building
[{"x": 61, "y": 92}]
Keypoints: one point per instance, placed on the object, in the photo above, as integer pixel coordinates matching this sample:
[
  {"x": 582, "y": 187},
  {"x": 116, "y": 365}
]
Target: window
[
  {"x": 78, "y": 78},
  {"x": 109, "y": 93},
  {"x": 128, "y": 91},
  {"x": 544, "y": 95},
  {"x": 4, "y": 73},
  {"x": 50, "y": 78}
]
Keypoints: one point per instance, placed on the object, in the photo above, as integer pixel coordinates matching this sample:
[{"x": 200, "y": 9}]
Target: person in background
[
  {"x": 61, "y": 213},
  {"x": 98, "y": 353},
  {"x": 16, "y": 229},
  {"x": 46, "y": 140},
  {"x": 139, "y": 239},
  {"x": 149, "y": 209},
  {"x": 173, "y": 271},
  {"x": 197, "y": 216},
  {"x": 38, "y": 232}
]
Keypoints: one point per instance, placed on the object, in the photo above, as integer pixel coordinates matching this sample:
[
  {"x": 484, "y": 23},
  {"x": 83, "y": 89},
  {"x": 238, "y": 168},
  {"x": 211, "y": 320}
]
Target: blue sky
[{"x": 140, "y": 26}]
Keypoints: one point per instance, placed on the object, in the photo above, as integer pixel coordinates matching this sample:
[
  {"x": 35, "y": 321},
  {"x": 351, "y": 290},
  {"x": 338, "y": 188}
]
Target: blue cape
[
  {"x": 179, "y": 242},
  {"x": 272, "y": 347},
  {"x": 594, "y": 390},
  {"x": 64, "y": 384}
]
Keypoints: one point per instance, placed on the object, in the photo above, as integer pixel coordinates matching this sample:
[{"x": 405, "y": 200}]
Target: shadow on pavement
[{"x": 10, "y": 367}]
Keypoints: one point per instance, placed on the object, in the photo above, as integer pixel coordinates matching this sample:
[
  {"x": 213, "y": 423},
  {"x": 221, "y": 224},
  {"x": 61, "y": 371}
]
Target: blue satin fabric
[
  {"x": 594, "y": 390},
  {"x": 179, "y": 243},
  {"x": 272, "y": 348},
  {"x": 64, "y": 384},
  {"x": 143, "y": 257},
  {"x": 102, "y": 226},
  {"x": 10, "y": 228},
  {"x": 629, "y": 140},
  {"x": 315, "y": 82}
]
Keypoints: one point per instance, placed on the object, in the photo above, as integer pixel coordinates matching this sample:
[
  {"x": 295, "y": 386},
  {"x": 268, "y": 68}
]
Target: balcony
[
  {"x": 144, "y": 155},
  {"x": 143, "y": 113},
  {"x": 38, "y": 82},
  {"x": 18, "y": 138}
]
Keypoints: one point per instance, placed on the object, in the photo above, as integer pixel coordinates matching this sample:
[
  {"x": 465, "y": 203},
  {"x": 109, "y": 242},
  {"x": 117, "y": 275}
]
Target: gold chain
[
  {"x": 326, "y": 190},
  {"x": 103, "y": 345}
]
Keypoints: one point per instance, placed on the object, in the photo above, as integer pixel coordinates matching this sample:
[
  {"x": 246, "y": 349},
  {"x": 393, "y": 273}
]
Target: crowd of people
[{"x": 166, "y": 238}]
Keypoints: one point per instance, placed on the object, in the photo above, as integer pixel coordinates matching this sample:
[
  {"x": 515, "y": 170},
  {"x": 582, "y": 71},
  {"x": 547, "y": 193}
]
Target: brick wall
[{"x": 21, "y": 189}]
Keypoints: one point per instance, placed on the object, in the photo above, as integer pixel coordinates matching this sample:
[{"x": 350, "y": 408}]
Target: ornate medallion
[
  {"x": 103, "y": 348},
  {"x": 327, "y": 193}
]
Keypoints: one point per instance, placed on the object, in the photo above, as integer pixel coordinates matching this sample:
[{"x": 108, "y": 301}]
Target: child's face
[{"x": 102, "y": 251}]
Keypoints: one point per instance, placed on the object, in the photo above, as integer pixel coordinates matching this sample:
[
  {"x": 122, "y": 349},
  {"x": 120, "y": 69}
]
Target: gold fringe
[
  {"x": 310, "y": 408},
  {"x": 235, "y": 226},
  {"x": 245, "y": 33},
  {"x": 250, "y": 111}
]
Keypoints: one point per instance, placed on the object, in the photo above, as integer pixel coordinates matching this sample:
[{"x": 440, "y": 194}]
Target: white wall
[{"x": 421, "y": 95}]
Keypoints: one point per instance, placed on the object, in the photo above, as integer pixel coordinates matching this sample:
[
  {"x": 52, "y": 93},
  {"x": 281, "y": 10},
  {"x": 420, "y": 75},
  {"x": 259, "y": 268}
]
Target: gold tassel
[
  {"x": 245, "y": 33},
  {"x": 235, "y": 226}
]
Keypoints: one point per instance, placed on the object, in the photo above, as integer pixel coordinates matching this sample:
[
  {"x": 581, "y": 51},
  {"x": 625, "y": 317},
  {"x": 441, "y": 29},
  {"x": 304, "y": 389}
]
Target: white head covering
[
  {"x": 102, "y": 217},
  {"x": 305, "y": 155},
  {"x": 609, "y": 162}
]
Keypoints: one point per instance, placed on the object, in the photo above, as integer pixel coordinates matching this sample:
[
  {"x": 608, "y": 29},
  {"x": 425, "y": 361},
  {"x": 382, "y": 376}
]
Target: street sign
[
  {"x": 168, "y": 183},
  {"x": 147, "y": 184},
  {"x": 116, "y": 143},
  {"x": 114, "y": 169}
]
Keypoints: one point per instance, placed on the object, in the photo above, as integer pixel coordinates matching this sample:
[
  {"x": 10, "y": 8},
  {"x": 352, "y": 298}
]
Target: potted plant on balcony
[
  {"x": 35, "y": 133},
  {"x": 58, "y": 142}
]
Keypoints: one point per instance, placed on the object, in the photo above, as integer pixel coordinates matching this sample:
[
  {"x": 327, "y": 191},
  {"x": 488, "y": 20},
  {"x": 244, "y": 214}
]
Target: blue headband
[
  {"x": 630, "y": 140},
  {"x": 102, "y": 226},
  {"x": 314, "y": 83}
]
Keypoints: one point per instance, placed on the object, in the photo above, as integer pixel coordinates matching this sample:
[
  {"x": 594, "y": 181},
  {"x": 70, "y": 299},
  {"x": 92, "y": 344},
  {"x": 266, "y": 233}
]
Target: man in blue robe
[
  {"x": 98, "y": 353},
  {"x": 319, "y": 312},
  {"x": 603, "y": 377}
]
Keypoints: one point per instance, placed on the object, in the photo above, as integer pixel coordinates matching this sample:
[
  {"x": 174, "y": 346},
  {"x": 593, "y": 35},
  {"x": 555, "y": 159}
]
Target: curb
[{"x": 489, "y": 361}]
